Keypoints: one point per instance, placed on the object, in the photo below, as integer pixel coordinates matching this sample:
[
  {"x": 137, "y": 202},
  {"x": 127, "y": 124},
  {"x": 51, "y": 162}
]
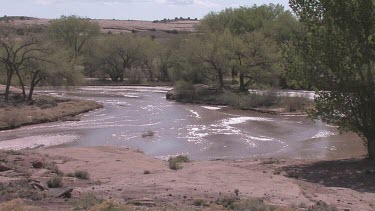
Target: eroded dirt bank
[{"x": 129, "y": 177}]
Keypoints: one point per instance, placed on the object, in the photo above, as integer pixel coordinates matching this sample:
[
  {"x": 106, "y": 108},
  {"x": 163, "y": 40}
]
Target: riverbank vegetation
[
  {"x": 315, "y": 46},
  {"x": 44, "y": 109}
]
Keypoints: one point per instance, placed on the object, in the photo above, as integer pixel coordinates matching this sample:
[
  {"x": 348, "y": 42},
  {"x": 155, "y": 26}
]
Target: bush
[
  {"x": 86, "y": 202},
  {"x": 322, "y": 206},
  {"x": 55, "y": 182},
  {"x": 82, "y": 174},
  {"x": 184, "y": 91},
  {"x": 200, "y": 202},
  {"x": 293, "y": 104},
  {"x": 242, "y": 100},
  {"x": 112, "y": 206},
  {"x": 20, "y": 189},
  {"x": 251, "y": 204},
  {"x": 174, "y": 162},
  {"x": 53, "y": 168}
]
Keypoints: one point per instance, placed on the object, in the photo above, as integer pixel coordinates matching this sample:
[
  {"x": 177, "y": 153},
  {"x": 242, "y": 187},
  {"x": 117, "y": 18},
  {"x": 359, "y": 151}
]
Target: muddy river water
[{"x": 201, "y": 132}]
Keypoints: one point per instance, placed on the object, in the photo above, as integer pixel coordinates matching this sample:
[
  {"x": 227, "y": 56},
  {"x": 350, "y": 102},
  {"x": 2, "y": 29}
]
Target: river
[{"x": 201, "y": 132}]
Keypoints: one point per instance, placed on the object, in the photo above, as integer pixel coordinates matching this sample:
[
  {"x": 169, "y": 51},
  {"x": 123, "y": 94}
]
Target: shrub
[
  {"x": 251, "y": 204},
  {"x": 112, "y": 206},
  {"x": 55, "y": 182},
  {"x": 70, "y": 175},
  {"x": 227, "y": 200},
  {"x": 53, "y": 168},
  {"x": 20, "y": 189},
  {"x": 322, "y": 206},
  {"x": 184, "y": 91},
  {"x": 82, "y": 174},
  {"x": 147, "y": 172},
  {"x": 86, "y": 202},
  {"x": 174, "y": 162},
  {"x": 200, "y": 202}
]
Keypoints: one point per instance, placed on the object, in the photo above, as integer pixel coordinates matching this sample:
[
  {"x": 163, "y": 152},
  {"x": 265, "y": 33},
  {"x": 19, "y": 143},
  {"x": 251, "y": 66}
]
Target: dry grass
[
  {"x": 112, "y": 206},
  {"x": 16, "y": 116},
  {"x": 55, "y": 182},
  {"x": 86, "y": 202},
  {"x": 82, "y": 174},
  {"x": 20, "y": 189},
  {"x": 17, "y": 205}
]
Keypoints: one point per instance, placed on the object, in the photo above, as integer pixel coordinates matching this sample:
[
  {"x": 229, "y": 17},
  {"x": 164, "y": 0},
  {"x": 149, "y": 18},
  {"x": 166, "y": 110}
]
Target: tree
[
  {"x": 148, "y": 57},
  {"x": 118, "y": 53},
  {"x": 15, "y": 55},
  {"x": 211, "y": 55},
  {"x": 272, "y": 20},
  {"x": 73, "y": 32},
  {"x": 255, "y": 57},
  {"x": 54, "y": 69},
  {"x": 336, "y": 56}
]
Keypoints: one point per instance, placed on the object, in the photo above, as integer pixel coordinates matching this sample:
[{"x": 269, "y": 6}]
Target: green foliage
[
  {"x": 272, "y": 20},
  {"x": 73, "y": 32},
  {"x": 336, "y": 55},
  {"x": 242, "y": 100}
]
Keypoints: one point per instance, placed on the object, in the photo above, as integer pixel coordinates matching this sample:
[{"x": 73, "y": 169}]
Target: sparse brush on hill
[{"x": 175, "y": 162}]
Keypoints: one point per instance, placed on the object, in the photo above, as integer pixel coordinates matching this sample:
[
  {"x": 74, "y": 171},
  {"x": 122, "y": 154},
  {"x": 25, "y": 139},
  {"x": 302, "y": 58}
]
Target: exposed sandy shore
[{"x": 118, "y": 174}]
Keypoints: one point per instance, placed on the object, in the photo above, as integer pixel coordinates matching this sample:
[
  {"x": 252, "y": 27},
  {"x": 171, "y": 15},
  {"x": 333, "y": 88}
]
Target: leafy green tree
[
  {"x": 211, "y": 56},
  {"x": 148, "y": 57},
  {"x": 336, "y": 56},
  {"x": 73, "y": 32},
  {"x": 272, "y": 20},
  {"x": 255, "y": 57},
  {"x": 54, "y": 69},
  {"x": 117, "y": 54}
]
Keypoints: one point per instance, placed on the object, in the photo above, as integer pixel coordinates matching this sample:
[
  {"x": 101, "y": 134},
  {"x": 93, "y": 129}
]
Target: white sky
[{"x": 122, "y": 9}]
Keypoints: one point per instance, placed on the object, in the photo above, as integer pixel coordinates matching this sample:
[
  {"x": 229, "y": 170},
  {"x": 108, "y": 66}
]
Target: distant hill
[{"x": 156, "y": 28}]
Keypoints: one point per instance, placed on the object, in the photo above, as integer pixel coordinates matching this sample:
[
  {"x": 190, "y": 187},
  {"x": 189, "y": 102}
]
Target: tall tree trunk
[
  {"x": 22, "y": 84},
  {"x": 371, "y": 147},
  {"x": 31, "y": 92},
  {"x": 34, "y": 82},
  {"x": 7, "y": 88},
  {"x": 150, "y": 74},
  {"x": 242, "y": 82},
  {"x": 221, "y": 79},
  {"x": 122, "y": 75},
  {"x": 234, "y": 74}
]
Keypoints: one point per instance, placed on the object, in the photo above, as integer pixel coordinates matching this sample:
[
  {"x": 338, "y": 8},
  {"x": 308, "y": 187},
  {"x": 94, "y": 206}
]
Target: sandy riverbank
[{"x": 119, "y": 175}]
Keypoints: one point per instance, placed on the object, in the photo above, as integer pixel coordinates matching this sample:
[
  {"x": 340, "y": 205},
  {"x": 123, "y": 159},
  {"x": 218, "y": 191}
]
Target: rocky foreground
[{"x": 104, "y": 178}]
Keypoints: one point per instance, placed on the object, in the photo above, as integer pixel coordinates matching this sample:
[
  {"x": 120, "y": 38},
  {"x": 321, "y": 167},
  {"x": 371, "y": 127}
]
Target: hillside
[{"x": 163, "y": 29}]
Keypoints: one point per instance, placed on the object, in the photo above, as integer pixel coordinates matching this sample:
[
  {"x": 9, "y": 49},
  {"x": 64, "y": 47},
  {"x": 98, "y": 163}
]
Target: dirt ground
[{"x": 129, "y": 177}]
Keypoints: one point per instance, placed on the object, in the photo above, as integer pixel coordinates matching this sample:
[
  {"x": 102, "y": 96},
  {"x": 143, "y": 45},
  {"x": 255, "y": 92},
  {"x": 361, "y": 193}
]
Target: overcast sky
[{"x": 122, "y": 9}]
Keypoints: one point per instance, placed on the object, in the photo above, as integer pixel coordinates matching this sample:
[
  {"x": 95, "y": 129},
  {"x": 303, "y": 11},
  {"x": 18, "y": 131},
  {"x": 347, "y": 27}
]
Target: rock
[
  {"x": 67, "y": 193},
  {"x": 144, "y": 202},
  {"x": 38, "y": 186},
  {"x": 4, "y": 168},
  {"x": 38, "y": 164}
]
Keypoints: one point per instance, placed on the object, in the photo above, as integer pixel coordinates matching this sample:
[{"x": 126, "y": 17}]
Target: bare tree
[{"x": 14, "y": 55}]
